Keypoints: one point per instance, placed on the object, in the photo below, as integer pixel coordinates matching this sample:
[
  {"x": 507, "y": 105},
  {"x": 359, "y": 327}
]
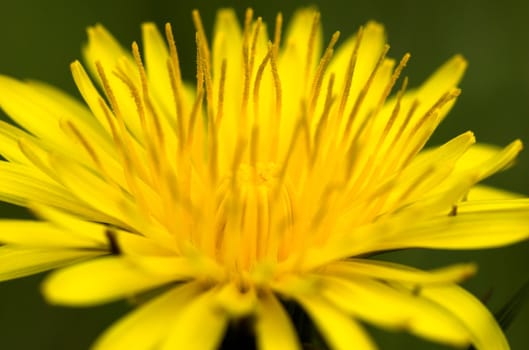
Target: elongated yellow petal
[
  {"x": 385, "y": 306},
  {"x": 42, "y": 234},
  {"x": 483, "y": 192},
  {"x": 9, "y": 143},
  {"x": 21, "y": 184},
  {"x": 91, "y": 189},
  {"x": 156, "y": 60},
  {"x": 198, "y": 316},
  {"x": 395, "y": 272},
  {"x": 16, "y": 262},
  {"x": 274, "y": 330},
  {"x": 147, "y": 326},
  {"x": 104, "y": 50},
  {"x": 237, "y": 302},
  {"x": 25, "y": 103},
  {"x": 476, "y": 225},
  {"x": 485, "y": 332},
  {"x": 111, "y": 278},
  {"x": 442, "y": 80},
  {"x": 339, "y": 330}
]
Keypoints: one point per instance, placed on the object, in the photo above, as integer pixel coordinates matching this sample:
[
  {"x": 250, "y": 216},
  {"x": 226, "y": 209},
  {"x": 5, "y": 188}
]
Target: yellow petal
[
  {"x": 104, "y": 49},
  {"x": 25, "y": 103},
  {"x": 372, "y": 45},
  {"x": 156, "y": 58},
  {"x": 9, "y": 147},
  {"x": 92, "y": 190},
  {"x": 383, "y": 270},
  {"x": 388, "y": 231},
  {"x": 112, "y": 278},
  {"x": 274, "y": 330},
  {"x": 199, "y": 325},
  {"x": 227, "y": 43},
  {"x": 134, "y": 244},
  {"x": 489, "y": 159},
  {"x": 16, "y": 262},
  {"x": 425, "y": 173},
  {"x": 22, "y": 184},
  {"x": 382, "y": 305},
  {"x": 481, "y": 224},
  {"x": 37, "y": 234},
  {"x": 483, "y": 192},
  {"x": 147, "y": 326},
  {"x": 236, "y": 302},
  {"x": 485, "y": 332},
  {"x": 442, "y": 80},
  {"x": 338, "y": 329},
  {"x": 89, "y": 93}
]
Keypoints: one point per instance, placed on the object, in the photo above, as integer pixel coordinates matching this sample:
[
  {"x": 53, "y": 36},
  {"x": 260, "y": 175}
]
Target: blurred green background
[{"x": 40, "y": 38}]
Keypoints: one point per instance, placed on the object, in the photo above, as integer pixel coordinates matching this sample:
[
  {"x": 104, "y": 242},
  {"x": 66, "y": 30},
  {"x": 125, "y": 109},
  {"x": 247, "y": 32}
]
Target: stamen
[
  {"x": 248, "y": 17},
  {"x": 396, "y": 108},
  {"x": 247, "y": 72},
  {"x": 137, "y": 100},
  {"x": 406, "y": 122},
  {"x": 122, "y": 138},
  {"x": 254, "y": 143},
  {"x": 129, "y": 157},
  {"x": 350, "y": 72},
  {"x": 258, "y": 80},
  {"x": 362, "y": 94},
  {"x": 200, "y": 71},
  {"x": 277, "y": 85},
  {"x": 28, "y": 149},
  {"x": 431, "y": 114},
  {"x": 173, "y": 52},
  {"x": 193, "y": 117},
  {"x": 106, "y": 88},
  {"x": 320, "y": 72},
  {"x": 253, "y": 49},
  {"x": 179, "y": 113},
  {"x": 201, "y": 34},
  {"x": 444, "y": 99},
  {"x": 86, "y": 145},
  {"x": 222, "y": 85},
  {"x": 392, "y": 81},
  {"x": 311, "y": 44},
  {"x": 110, "y": 120},
  {"x": 173, "y": 66},
  {"x": 384, "y": 137},
  {"x": 301, "y": 130},
  {"x": 205, "y": 67},
  {"x": 277, "y": 32},
  {"x": 213, "y": 150},
  {"x": 323, "y": 121}
]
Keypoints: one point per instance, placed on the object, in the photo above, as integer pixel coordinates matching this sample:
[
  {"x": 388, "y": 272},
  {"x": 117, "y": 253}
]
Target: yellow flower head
[{"x": 272, "y": 177}]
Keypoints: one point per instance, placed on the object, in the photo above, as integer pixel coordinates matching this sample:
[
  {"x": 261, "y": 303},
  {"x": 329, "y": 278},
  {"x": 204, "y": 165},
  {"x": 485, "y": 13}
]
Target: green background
[{"x": 38, "y": 39}]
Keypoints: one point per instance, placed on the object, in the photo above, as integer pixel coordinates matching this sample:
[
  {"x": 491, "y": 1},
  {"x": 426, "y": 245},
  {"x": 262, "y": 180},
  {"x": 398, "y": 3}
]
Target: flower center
[{"x": 254, "y": 216}]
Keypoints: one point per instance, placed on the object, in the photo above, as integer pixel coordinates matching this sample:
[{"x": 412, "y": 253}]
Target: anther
[
  {"x": 311, "y": 44},
  {"x": 277, "y": 32},
  {"x": 350, "y": 71},
  {"x": 320, "y": 72},
  {"x": 362, "y": 94}
]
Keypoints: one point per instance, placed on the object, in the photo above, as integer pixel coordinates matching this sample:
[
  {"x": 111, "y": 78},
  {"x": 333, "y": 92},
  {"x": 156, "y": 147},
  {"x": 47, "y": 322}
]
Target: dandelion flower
[{"x": 267, "y": 182}]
